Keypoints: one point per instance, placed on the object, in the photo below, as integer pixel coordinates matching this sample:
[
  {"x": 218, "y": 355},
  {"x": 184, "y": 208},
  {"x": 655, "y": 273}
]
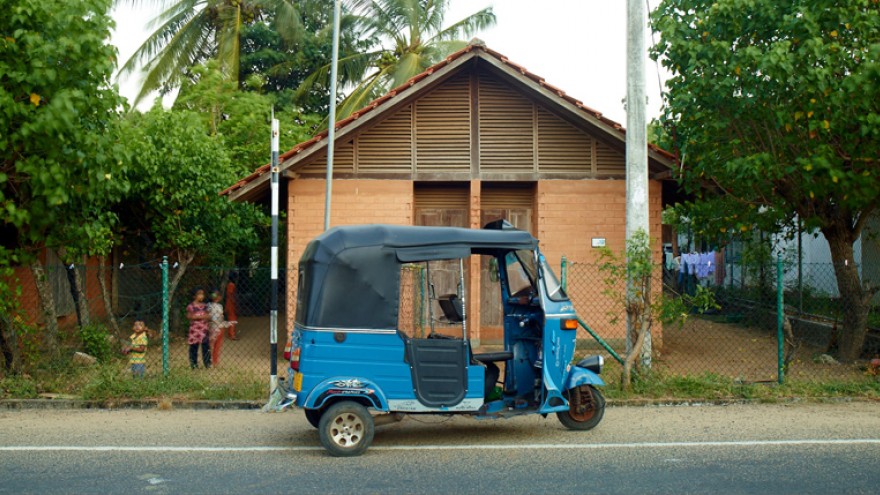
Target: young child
[
  {"x": 197, "y": 314},
  {"x": 137, "y": 352},
  {"x": 216, "y": 325}
]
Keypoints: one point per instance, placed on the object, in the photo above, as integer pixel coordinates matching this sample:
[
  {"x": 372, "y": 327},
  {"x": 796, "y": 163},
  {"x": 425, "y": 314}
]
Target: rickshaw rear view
[{"x": 382, "y": 330}]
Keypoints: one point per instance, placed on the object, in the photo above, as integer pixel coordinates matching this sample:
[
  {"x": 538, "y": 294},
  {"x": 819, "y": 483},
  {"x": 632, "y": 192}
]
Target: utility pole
[
  {"x": 636, "y": 143},
  {"x": 331, "y": 125}
]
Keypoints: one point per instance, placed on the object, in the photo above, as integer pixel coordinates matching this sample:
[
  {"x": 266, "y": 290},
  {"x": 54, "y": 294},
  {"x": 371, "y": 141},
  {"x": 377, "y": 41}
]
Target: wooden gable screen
[
  {"x": 507, "y": 131},
  {"x": 473, "y": 116},
  {"x": 442, "y": 128}
]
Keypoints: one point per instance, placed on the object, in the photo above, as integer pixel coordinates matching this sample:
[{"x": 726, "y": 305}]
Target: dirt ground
[
  {"x": 248, "y": 355},
  {"x": 741, "y": 352}
]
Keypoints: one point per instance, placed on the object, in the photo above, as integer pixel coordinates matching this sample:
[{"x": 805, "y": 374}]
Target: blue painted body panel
[
  {"x": 376, "y": 360},
  {"x": 580, "y": 376}
]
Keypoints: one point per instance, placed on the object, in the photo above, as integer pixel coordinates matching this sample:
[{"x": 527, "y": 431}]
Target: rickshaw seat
[
  {"x": 489, "y": 357},
  {"x": 452, "y": 308}
]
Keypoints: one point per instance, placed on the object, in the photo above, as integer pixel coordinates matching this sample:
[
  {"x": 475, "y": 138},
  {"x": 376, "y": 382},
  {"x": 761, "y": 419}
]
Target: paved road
[{"x": 824, "y": 448}]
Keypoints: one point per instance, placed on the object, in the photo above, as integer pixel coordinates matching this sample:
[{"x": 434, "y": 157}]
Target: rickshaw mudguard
[
  {"x": 578, "y": 376},
  {"x": 347, "y": 387}
]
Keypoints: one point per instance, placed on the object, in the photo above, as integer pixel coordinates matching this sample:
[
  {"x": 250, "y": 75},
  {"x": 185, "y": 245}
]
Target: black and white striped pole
[{"x": 273, "y": 299}]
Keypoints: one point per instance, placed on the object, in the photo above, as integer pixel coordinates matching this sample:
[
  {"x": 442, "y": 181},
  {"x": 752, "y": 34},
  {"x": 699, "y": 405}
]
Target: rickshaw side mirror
[{"x": 493, "y": 270}]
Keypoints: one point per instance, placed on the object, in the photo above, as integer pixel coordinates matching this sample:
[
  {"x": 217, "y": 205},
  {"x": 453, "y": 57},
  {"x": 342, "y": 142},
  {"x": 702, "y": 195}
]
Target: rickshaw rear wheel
[
  {"x": 346, "y": 429},
  {"x": 313, "y": 416},
  {"x": 586, "y": 408}
]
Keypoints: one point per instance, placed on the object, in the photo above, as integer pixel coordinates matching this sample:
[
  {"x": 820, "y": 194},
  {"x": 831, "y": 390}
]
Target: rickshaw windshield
[{"x": 521, "y": 270}]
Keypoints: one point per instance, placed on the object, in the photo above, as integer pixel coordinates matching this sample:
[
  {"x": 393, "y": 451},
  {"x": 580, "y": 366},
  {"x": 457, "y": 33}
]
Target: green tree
[
  {"x": 190, "y": 32},
  {"x": 241, "y": 119},
  {"x": 177, "y": 170},
  {"x": 774, "y": 106},
  {"x": 283, "y": 64},
  {"x": 59, "y": 171},
  {"x": 411, "y": 37}
]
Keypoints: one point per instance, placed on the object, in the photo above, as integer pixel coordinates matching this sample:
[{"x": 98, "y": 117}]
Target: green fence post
[
  {"x": 780, "y": 319},
  {"x": 564, "y": 273},
  {"x": 165, "y": 315}
]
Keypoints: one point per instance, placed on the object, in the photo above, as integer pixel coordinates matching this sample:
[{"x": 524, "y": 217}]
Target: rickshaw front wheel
[
  {"x": 586, "y": 408},
  {"x": 346, "y": 429}
]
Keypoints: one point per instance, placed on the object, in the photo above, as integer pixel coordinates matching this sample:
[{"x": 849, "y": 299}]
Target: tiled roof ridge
[{"x": 475, "y": 44}]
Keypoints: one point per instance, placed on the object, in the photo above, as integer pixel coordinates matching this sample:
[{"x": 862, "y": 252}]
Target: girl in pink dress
[{"x": 197, "y": 314}]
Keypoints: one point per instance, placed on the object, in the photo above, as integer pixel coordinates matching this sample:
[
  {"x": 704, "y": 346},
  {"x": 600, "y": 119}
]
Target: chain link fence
[{"x": 739, "y": 339}]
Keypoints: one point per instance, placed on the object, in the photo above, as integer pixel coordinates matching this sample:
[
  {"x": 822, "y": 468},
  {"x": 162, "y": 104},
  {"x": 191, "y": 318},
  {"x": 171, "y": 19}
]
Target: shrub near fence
[{"x": 737, "y": 341}]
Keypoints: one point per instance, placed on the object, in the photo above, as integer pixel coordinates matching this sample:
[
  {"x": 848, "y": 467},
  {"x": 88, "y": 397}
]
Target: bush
[{"x": 96, "y": 341}]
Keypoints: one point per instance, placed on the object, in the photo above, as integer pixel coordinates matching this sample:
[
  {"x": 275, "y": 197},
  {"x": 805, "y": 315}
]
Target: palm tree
[
  {"x": 189, "y": 32},
  {"x": 411, "y": 40}
]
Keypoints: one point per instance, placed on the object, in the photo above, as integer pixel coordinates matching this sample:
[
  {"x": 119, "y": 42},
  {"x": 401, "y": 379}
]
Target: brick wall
[{"x": 572, "y": 212}]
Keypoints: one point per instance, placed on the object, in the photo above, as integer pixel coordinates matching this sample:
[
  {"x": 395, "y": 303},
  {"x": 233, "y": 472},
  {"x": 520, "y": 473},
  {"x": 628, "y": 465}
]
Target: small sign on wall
[{"x": 598, "y": 242}]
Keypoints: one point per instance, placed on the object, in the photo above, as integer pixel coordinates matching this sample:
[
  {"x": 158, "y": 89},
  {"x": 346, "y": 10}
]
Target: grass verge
[
  {"x": 112, "y": 381},
  {"x": 713, "y": 387}
]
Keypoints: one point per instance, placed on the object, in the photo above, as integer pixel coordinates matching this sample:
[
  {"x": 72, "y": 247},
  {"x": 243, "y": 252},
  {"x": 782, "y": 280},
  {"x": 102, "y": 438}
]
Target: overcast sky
[{"x": 576, "y": 45}]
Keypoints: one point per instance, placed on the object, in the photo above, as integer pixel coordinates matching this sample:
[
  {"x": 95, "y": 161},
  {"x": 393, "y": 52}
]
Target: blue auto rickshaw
[{"x": 375, "y": 339}]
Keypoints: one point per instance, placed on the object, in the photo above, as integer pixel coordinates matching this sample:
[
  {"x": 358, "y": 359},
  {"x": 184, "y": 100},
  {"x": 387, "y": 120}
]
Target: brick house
[{"x": 472, "y": 139}]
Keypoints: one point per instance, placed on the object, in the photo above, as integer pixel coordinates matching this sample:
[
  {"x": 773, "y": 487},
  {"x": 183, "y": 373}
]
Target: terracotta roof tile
[{"x": 373, "y": 105}]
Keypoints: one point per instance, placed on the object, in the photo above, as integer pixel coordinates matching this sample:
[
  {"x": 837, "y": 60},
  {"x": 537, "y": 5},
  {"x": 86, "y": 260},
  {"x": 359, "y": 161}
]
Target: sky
[{"x": 578, "y": 46}]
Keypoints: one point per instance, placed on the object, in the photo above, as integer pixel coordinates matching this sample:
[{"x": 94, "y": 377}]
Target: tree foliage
[
  {"x": 177, "y": 171},
  {"x": 411, "y": 38},
  {"x": 282, "y": 64},
  {"x": 60, "y": 164},
  {"x": 773, "y": 108},
  {"x": 241, "y": 119},
  {"x": 190, "y": 32},
  {"x": 59, "y": 170}
]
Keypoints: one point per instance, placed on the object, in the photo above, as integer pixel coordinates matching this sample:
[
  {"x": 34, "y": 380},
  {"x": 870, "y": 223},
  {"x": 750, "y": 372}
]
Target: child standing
[
  {"x": 137, "y": 352},
  {"x": 197, "y": 314},
  {"x": 216, "y": 325},
  {"x": 232, "y": 304}
]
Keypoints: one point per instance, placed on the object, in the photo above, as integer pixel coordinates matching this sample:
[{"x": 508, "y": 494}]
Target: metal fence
[
  {"x": 744, "y": 338},
  {"x": 739, "y": 340}
]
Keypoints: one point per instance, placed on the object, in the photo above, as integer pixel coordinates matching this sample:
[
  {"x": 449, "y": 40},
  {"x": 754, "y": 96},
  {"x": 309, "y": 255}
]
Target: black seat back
[{"x": 452, "y": 308}]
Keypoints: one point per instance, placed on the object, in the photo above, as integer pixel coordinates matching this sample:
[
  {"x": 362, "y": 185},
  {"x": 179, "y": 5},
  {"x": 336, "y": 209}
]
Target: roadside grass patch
[{"x": 709, "y": 386}]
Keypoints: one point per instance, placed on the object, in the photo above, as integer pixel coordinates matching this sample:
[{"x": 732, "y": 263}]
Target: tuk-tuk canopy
[{"x": 349, "y": 277}]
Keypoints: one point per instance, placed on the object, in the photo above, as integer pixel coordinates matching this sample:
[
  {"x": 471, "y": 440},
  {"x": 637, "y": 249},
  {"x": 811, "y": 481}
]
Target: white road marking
[{"x": 535, "y": 446}]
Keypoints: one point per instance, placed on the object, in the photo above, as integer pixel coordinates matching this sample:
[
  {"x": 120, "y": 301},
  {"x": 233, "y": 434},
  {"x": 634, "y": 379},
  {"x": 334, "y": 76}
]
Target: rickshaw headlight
[{"x": 592, "y": 363}]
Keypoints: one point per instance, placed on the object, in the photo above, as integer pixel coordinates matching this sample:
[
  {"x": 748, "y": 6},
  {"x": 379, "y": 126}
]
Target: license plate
[{"x": 297, "y": 381}]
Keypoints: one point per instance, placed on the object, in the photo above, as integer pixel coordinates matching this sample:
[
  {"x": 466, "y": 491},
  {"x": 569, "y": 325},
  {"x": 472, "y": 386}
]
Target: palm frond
[
  {"x": 408, "y": 65},
  {"x": 170, "y": 22},
  {"x": 468, "y": 26},
  {"x": 287, "y": 21},
  {"x": 367, "y": 91},
  {"x": 179, "y": 54}
]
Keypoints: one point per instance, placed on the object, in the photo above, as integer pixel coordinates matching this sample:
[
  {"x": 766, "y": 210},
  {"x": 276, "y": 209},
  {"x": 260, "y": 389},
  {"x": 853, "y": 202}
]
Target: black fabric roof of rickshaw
[
  {"x": 350, "y": 276},
  {"x": 443, "y": 242}
]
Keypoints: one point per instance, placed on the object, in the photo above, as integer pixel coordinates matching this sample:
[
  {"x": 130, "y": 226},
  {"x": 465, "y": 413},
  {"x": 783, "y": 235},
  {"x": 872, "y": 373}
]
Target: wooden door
[
  {"x": 492, "y": 312},
  {"x": 443, "y": 276}
]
